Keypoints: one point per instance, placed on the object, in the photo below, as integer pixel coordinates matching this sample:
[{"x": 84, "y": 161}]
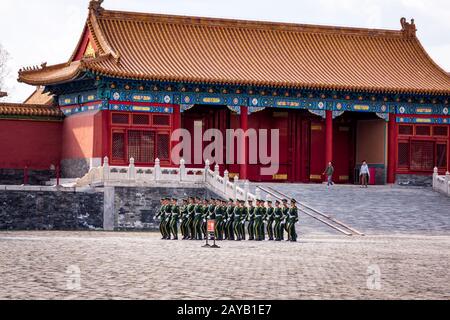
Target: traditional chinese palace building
[{"x": 336, "y": 94}]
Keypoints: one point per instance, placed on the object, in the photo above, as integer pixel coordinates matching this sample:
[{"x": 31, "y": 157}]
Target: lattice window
[
  {"x": 141, "y": 119},
  {"x": 422, "y": 155},
  {"x": 403, "y": 154},
  {"x": 141, "y": 146},
  {"x": 441, "y": 155},
  {"x": 119, "y": 118},
  {"x": 163, "y": 146},
  {"x": 440, "y": 131},
  {"x": 423, "y": 130},
  {"x": 118, "y": 146},
  {"x": 161, "y": 120},
  {"x": 134, "y": 143},
  {"x": 405, "y": 130},
  {"x": 147, "y": 147}
]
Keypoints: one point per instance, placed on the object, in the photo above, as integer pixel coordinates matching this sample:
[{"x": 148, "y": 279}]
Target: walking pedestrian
[
  {"x": 364, "y": 174},
  {"x": 329, "y": 171}
]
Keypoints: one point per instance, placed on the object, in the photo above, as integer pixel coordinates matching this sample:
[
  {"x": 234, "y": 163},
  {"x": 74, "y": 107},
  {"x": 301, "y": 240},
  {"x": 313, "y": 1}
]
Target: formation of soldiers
[{"x": 233, "y": 219}]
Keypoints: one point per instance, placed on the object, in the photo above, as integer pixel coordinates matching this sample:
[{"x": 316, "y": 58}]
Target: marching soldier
[
  {"x": 229, "y": 226},
  {"x": 190, "y": 221},
  {"x": 161, "y": 215},
  {"x": 238, "y": 220},
  {"x": 204, "y": 218},
  {"x": 174, "y": 219},
  {"x": 269, "y": 217},
  {"x": 278, "y": 217},
  {"x": 168, "y": 219},
  {"x": 184, "y": 220},
  {"x": 229, "y": 234},
  {"x": 198, "y": 217},
  {"x": 249, "y": 215},
  {"x": 285, "y": 210},
  {"x": 263, "y": 214},
  {"x": 259, "y": 222},
  {"x": 219, "y": 215},
  {"x": 292, "y": 220}
]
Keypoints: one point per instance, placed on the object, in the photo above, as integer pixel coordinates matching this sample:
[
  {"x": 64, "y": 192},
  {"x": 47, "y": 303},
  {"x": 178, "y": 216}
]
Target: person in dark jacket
[{"x": 329, "y": 171}]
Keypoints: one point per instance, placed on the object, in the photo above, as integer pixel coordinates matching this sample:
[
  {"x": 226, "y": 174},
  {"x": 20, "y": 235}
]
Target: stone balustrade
[
  {"x": 441, "y": 183},
  {"x": 131, "y": 175}
]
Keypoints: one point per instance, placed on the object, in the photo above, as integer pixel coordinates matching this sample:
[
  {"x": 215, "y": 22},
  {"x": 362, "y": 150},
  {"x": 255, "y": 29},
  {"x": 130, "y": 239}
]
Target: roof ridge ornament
[
  {"x": 408, "y": 28},
  {"x": 96, "y": 6}
]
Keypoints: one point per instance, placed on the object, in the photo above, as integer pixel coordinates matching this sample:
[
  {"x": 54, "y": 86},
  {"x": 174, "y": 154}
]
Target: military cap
[
  {"x": 269, "y": 201},
  {"x": 284, "y": 200},
  {"x": 249, "y": 200},
  {"x": 277, "y": 201},
  {"x": 294, "y": 201}
]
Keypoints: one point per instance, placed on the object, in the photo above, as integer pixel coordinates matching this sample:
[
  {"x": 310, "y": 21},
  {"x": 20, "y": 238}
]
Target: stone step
[{"x": 68, "y": 181}]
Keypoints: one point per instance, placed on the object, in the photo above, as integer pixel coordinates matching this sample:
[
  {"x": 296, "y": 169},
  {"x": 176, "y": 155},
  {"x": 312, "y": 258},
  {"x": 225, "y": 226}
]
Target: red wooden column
[
  {"x": 448, "y": 151},
  {"x": 392, "y": 143},
  {"x": 243, "y": 146},
  {"x": 106, "y": 134},
  {"x": 328, "y": 137},
  {"x": 176, "y": 124}
]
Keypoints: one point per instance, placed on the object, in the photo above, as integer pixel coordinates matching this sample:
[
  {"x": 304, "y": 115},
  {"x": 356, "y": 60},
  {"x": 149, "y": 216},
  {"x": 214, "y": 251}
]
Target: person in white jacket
[{"x": 364, "y": 174}]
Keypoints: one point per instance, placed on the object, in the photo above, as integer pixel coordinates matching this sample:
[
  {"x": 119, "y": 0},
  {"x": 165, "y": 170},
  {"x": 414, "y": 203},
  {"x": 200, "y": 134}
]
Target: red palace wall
[
  {"x": 35, "y": 144},
  {"x": 82, "y": 136}
]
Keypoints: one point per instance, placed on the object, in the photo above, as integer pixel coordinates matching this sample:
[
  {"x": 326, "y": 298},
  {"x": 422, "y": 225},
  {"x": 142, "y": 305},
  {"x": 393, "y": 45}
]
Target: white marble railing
[
  {"x": 441, "y": 183},
  {"x": 151, "y": 176}
]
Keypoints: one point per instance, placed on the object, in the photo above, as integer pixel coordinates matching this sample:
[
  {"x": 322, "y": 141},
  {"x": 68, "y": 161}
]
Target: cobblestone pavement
[
  {"x": 38, "y": 265},
  {"x": 377, "y": 210}
]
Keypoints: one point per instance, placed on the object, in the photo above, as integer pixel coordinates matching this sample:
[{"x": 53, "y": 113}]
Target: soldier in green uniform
[
  {"x": 259, "y": 213},
  {"x": 229, "y": 228},
  {"x": 219, "y": 213},
  {"x": 285, "y": 209},
  {"x": 226, "y": 219},
  {"x": 238, "y": 221},
  {"x": 174, "y": 219},
  {"x": 278, "y": 217},
  {"x": 190, "y": 221},
  {"x": 184, "y": 219},
  {"x": 161, "y": 215},
  {"x": 168, "y": 210},
  {"x": 249, "y": 215},
  {"x": 206, "y": 213},
  {"x": 269, "y": 217},
  {"x": 292, "y": 220},
  {"x": 198, "y": 217}
]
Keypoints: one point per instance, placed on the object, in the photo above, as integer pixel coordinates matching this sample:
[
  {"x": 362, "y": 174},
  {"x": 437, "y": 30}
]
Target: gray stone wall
[
  {"x": 415, "y": 180},
  {"x": 74, "y": 168},
  {"x": 50, "y": 210},
  {"x": 135, "y": 208},
  {"x": 16, "y": 176}
]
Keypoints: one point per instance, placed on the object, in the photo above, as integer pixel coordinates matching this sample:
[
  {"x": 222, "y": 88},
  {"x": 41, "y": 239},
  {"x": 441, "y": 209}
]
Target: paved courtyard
[
  {"x": 378, "y": 210},
  {"x": 405, "y": 255},
  {"x": 50, "y": 265}
]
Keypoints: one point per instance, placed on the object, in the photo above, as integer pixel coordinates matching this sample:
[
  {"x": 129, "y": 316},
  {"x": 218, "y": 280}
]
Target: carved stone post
[
  {"x": 182, "y": 170},
  {"x": 105, "y": 169},
  {"x": 447, "y": 181},
  {"x": 246, "y": 189},
  {"x": 216, "y": 175},
  {"x": 131, "y": 170},
  {"x": 236, "y": 178},
  {"x": 157, "y": 169},
  {"x": 226, "y": 178},
  {"x": 206, "y": 169},
  {"x": 435, "y": 175}
]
